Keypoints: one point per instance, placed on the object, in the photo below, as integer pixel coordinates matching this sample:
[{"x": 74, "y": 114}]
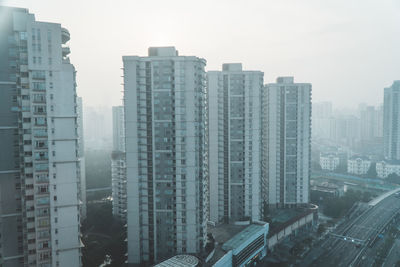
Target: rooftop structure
[
  {"x": 238, "y": 245},
  {"x": 180, "y": 261}
]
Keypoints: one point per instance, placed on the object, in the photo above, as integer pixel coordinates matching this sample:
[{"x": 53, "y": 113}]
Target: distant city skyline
[{"x": 347, "y": 50}]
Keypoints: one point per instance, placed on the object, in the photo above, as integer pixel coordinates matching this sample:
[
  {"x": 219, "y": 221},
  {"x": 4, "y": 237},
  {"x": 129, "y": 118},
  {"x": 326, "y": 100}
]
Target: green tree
[
  {"x": 315, "y": 166},
  {"x": 371, "y": 173},
  {"x": 341, "y": 168},
  {"x": 393, "y": 178},
  {"x": 321, "y": 229}
]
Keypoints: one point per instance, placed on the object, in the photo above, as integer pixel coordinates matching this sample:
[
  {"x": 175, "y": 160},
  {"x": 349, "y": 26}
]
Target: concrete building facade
[
  {"x": 236, "y": 185},
  {"x": 165, "y": 102},
  {"x": 39, "y": 163},
  {"x": 358, "y": 165},
  {"x": 386, "y": 167},
  {"x": 118, "y": 164},
  {"x": 391, "y": 121},
  {"x": 329, "y": 162},
  {"x": 287, "y": 142}
]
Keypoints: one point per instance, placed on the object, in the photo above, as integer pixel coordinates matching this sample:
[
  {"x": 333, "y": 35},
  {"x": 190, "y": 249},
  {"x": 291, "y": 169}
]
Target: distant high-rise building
[
  {"x": 287, "y": 142},
  {"x": 39, "y": 162},
  {"x": 321, "y": 119},
  {"x": 166, "y": 154},
  {"x": 118, "y": 164},
  {"x": 391, "y": 121},
  {"x": 98, "y": 128},
  {"x": 371, "y": 120},
  {"x": 236, "y": 185}
]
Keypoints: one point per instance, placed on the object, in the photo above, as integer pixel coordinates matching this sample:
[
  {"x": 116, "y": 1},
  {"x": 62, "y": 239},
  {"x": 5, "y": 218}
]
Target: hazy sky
[{"x": 348, "y": 50}]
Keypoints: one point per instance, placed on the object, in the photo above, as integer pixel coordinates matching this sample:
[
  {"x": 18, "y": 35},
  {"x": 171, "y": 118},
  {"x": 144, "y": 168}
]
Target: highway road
[
  {"x": 394, "y": 255},
  {"x": 349, "y": 243}
]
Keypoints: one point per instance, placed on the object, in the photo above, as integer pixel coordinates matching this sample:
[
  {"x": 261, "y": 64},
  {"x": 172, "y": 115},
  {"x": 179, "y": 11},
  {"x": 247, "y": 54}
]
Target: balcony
[
  {"x": 65, "y": 36},
  {"x": 65, "y": 51}
]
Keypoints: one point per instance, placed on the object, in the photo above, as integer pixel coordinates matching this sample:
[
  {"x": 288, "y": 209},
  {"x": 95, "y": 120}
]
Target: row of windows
[{"x": 38, "y": 60}]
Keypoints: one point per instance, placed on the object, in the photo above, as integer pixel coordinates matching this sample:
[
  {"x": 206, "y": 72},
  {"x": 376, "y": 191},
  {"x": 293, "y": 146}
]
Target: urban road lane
[{"x": 351, "y": 243}]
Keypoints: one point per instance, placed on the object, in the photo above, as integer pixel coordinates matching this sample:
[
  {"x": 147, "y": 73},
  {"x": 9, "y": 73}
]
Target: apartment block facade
[
  {"x": 39, "y": 164},
  {"x": 391, "y": 122},
  {"x": 118, "y": 164},
  {"x": 287, "y": 142},
  {"x": 236, "y": 184},
  {"x": 165, "y": 102}
]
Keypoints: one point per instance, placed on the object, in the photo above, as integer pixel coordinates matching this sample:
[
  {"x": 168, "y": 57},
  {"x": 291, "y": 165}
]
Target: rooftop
[
  {"x": 359, "y": 157},
  {"x": 167, "y": 51},
  {"x": 180, "y": 261},
  {"x": 391, "y": 162},
  {"x": 288, "y": 79},
  {"x": 242, "y": 236},
  {"x": 232, "y": 67},
  {"x": 281, "y": 218},
  {"x": 229, "y": 237}
]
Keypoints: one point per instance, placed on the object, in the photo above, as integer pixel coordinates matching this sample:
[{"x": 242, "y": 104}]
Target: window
[
  {"x": 23, "y": 36},
  {"x": 43, "y": 189},
  {"x": 40, "y": 132},
  {"x": 41, "y": 144},
  {"x": 42, "y": 177},
  {"x": 40, "y": 121},
  {"x": 27, "y": 142},
  {"x": 43, "y": 201},
  {"x": 39, "y": 86},
  {"x": 41, "y": 167},
  {"x": 42, "y": 155},
  {"x": 38, "y": 74},
  {"x": 39, "y": 109}
]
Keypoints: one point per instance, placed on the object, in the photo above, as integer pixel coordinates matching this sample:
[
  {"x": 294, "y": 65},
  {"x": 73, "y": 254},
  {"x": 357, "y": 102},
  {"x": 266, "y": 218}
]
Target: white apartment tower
[
  {"x": 287, "y": 142},
  {"x": 166, "y": 154},
  {"x": 118, "y": 164},
  {"x": 391, "y": 122},
  {"x": 236, "y": 185},
  {"x": 39, "y": 164},
  {"x": 81, "y": 156}
]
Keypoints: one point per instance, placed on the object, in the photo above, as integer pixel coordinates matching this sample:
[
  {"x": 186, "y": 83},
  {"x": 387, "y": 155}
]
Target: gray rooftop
[{"x": 241, "y": 237}]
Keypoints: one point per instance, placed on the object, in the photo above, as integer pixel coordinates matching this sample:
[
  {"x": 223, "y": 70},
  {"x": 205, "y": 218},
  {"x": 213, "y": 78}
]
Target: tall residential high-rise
[
  {"x": 81, "y": 156},
  {"x": 236, "y": 186},
  {"x": 118, "y": 164},
  {"x": 165, "y": 101},
  {"x": 391, "y": 121},
  {"x": 118, "y": 128},
  {"x": 287, "y": 142},
  {"x": 39, "y": 164}
]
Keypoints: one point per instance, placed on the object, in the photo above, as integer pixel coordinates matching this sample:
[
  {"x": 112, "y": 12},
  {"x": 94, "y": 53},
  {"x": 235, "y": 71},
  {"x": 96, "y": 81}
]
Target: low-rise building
[
  {"x": 238, "y": 245},
  {"x": 326, "y": 190},
  {"x": 329, "y": 162},
  {"x": 287, "y": 223},
  {"x": 358, "y": 165},
  {"x": 386, "y": 167}
]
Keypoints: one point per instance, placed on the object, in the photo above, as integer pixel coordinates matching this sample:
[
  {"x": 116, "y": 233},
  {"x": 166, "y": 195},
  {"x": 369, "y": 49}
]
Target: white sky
[{"x": 348, "y": 49}]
